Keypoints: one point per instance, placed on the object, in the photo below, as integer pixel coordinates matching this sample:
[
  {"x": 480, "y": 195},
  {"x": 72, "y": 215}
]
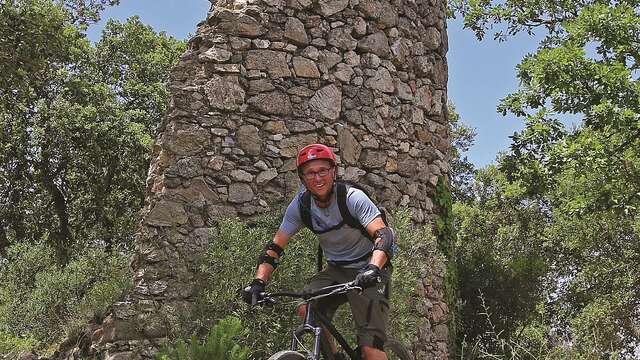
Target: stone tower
[{"x": 261, "y": 79}]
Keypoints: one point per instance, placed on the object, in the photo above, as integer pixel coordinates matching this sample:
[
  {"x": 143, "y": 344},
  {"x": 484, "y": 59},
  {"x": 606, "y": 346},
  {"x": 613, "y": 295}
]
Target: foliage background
[
  {"x": 76, "y": 124},
  {"x": 547, "y": 249},
  {"x": 555, "y": 220}
]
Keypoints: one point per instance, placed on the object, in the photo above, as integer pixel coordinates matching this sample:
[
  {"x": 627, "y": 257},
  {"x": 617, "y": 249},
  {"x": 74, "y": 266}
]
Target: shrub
[
  {"x": 220, "y": 343},
  {"x": 418, "y": 250},
  {"x": 17, "y": 276},
  {"x": 229, "y": 265},
  {"x": 12, "y": 345},
  {"x": 43, "y": 301}
]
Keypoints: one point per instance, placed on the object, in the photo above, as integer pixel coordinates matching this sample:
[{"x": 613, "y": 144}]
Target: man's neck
[{"x": 324, "y": 202}]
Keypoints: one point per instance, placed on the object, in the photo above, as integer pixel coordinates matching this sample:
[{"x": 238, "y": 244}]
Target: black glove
[
  {"x": 251, "y": 294},
  {"x": 368, "y": 276}
]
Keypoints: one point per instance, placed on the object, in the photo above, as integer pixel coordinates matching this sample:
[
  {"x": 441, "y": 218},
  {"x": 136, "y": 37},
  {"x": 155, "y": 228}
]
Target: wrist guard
[
  {"x": 387, "y": 242},
  {"x": 265, "y": 257}
]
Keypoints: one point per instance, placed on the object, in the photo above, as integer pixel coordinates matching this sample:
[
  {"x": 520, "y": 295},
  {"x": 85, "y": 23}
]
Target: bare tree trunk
[
  {"x": 62, "y": 238},
  {"x": 4, "y": 241},
  {"x": 102, "y": 217}
]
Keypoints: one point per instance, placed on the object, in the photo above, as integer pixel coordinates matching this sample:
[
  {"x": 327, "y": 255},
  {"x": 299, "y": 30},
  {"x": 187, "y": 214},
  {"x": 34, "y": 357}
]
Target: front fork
[{"x": 309, "y": 326}]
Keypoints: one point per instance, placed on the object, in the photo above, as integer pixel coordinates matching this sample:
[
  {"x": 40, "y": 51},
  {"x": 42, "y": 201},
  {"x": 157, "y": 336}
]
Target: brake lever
[
  {"x": 270, "y": 301},
  {"x": 267, "y": 300},
  {"x": 352, "y": 286},
  {"x": 360, "y": 289}
]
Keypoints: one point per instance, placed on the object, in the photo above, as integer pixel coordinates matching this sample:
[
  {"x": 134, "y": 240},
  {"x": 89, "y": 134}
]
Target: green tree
[
  {"x": 39, "y": 43},
  {"x": 462, "y": 170},
  {"x": 587, "y": 176},
  {"x": 76, "y": 123},
  {"x": 501, "y": 262}
]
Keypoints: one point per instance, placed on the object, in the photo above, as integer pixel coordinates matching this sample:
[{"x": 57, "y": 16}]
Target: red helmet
[{"x": 314, "y": 152}]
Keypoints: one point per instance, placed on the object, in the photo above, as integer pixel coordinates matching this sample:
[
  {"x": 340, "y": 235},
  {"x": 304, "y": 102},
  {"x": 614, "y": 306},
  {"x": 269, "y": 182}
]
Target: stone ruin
[{"x": 261, "y": 79}]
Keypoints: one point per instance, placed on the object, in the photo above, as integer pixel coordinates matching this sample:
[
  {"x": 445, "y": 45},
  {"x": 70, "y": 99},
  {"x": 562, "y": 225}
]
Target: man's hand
[
  {"x": 251, "y": 294},
  {"x": 369, "y": 276}
]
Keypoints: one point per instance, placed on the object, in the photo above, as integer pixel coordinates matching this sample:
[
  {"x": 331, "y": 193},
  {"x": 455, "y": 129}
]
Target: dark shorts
[{"x": 370, "y": 308}]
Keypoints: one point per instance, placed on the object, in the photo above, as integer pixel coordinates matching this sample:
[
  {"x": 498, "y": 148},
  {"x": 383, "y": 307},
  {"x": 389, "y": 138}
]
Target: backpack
[{"x": 342, "y": 188}]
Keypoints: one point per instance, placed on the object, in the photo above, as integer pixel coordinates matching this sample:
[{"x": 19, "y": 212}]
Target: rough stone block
[
  {"x": 304, "y": 67},
  {"x": 272, "y": 103},
  {"x": 376, "y": 43},
  {"x": 249, "y": 140},
  {"x": 235, "y": 23},
  {"x": 328, "y": 102},
  {"x": 295, "y": 32},
  {"x": 224, "y": 92},
  {"x": 240, "y": 193},
  {"x": 166, "y": 213},
  {"x": 330, "y": 7},
  {"x": 274, "y": 62}
]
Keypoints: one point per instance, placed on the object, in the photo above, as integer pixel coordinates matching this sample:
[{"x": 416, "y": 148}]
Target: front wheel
[
  {"x": 396, "y": 351},
  {"x": 287, "y": 355}
]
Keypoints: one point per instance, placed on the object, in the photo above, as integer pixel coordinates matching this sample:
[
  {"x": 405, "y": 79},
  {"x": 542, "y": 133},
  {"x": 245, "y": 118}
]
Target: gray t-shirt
[{"x": 345, "y": 243}]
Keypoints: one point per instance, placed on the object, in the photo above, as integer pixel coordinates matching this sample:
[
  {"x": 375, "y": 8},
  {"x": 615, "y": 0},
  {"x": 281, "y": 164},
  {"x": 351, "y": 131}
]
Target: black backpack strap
[
  {"x": 304, "y": 205},
  {"x": 319, "y": 263},
  {"x": 347, "y": 217}
]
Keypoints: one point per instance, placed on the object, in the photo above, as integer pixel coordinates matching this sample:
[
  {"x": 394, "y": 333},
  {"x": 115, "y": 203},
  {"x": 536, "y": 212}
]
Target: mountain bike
[{"x": 311, "y": 326}]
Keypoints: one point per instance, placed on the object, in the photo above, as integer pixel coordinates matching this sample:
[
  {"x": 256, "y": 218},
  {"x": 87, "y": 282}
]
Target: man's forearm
[
  {"x": 378, "y": 258},
  {"x": 264, "y": 272}
]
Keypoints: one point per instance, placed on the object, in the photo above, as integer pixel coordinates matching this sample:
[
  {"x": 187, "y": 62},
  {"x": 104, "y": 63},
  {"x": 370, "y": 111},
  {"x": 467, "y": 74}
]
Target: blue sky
[{"x": 480, "y": 73}]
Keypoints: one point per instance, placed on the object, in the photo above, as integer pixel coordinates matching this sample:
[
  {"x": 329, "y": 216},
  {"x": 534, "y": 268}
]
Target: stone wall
[{"x": 261, "y": 79}]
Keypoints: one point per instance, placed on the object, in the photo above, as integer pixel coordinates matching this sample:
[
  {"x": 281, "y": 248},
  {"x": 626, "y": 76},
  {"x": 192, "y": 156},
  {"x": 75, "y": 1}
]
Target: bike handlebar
[{"x": 311, "y": 293}]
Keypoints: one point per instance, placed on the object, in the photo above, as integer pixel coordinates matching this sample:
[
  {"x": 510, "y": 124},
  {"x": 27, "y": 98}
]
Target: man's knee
[
  {"x": 373, "y": 353},
  {"x": 302, "y": 310}
]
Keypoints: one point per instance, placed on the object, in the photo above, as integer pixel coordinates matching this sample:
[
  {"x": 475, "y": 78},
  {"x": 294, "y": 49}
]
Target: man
[{"x": 350, "y": 254}]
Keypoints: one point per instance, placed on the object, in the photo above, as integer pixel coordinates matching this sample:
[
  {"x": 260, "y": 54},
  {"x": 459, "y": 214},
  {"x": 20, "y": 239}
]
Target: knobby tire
[
  {"x": 287, "y": 355},
  {"x": 394, "y": 349}
]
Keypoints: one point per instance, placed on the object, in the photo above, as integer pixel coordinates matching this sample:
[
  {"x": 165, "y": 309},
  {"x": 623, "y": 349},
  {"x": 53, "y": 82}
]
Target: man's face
[{"x": 318, "y": 177}]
